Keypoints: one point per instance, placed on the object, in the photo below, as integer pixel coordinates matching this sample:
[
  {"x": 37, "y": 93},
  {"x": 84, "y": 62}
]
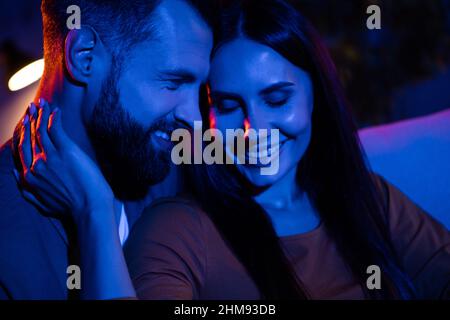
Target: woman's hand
[{"x": 56, "y": 174}]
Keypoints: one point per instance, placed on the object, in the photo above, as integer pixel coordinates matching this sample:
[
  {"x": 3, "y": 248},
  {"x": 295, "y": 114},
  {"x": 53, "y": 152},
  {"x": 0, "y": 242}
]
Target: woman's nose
[{"x": 257, "y": 119}]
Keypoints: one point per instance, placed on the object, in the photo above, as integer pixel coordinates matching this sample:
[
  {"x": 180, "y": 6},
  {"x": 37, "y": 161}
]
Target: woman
[{"x": 310, "y": 231}]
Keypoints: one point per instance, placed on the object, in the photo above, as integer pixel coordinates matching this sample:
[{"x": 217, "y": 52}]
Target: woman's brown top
[{"x": 176, "y": 252}]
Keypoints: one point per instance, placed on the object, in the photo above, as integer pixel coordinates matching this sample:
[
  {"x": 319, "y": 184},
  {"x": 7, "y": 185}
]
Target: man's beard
[{"x": 124, "y": 150}]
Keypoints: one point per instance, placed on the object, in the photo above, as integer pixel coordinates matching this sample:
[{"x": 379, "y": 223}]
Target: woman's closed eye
[
  {"x": 277, "y": 99},
  {"x": 226, "y": 105}
]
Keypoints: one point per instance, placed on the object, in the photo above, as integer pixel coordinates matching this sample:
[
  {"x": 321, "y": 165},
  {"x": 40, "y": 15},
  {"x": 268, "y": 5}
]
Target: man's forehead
[
  {"x": 183, "y": 39},
  {"x": 180, "y": 40},
  {"x": 179, "y": 21},
  {"x": 166, "y": 56},
  {"x": 184, "y": 57}
]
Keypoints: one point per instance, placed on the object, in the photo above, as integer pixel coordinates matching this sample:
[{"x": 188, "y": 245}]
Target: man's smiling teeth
[{"x": 162, "y": 135}]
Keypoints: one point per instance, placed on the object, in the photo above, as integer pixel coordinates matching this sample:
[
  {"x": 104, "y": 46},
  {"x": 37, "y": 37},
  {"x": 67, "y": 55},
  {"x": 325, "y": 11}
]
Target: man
[{"x": 122, "y": 82}]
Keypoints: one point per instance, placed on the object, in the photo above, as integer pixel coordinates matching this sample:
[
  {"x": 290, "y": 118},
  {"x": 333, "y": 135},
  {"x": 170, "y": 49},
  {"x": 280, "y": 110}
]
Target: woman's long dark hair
[{"x": 332, "y": 172}]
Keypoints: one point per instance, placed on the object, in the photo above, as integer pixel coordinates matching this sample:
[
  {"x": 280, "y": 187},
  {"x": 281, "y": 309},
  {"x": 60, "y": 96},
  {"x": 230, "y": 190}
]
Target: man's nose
[{"x": 188, "y": 111}]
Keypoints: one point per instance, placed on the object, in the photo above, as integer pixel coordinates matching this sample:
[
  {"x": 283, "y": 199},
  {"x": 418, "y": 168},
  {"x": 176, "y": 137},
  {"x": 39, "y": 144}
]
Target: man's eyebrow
[
  {"x": 181, "y": 74},
  {"x": 275, "y": 87}
]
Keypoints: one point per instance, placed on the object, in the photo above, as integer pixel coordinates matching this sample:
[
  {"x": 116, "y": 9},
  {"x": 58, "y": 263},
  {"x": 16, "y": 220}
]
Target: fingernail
[
  {"x": 16, "y": 174},
  {"x": 42, "y": 102},
  {"x": 32, "y": 109},
  {"x": 26, "y": 119}
]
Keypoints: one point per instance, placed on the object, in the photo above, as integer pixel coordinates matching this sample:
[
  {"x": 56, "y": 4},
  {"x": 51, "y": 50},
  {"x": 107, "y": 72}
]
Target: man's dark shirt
[{"x": 34, "y": 251}]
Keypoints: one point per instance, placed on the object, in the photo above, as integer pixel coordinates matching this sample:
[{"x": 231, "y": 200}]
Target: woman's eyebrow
[{"x": 275, "y": 87}]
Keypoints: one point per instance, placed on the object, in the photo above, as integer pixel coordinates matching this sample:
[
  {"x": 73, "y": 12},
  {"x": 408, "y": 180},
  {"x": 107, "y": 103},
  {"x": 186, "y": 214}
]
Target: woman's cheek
[{"x": 295, "y": 120}]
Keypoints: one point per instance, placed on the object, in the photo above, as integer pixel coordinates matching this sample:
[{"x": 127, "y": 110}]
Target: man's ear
[{"x": 83, "y": 49}]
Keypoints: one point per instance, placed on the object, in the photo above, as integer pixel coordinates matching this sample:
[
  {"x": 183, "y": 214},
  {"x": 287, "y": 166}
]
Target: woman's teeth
[
  {"x": 264, "y": 151},
  {"x": 162, "y": 135}
]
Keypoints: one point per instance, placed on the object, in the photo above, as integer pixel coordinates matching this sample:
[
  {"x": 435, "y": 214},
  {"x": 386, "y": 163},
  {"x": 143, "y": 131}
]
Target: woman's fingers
[
  {"x": 16, "y": 137},
  {"x": 33, "y": 113},
  {"x": 28, "y": 195},
  {"x": 48, "y": 201},
  {"x": 31, "y": 198},
  {"x": 25, "y": 151},
  {"x": 43, "y": 140},
  {"x": 56, "y": 132},
  {"x": 17, "y": 176}
]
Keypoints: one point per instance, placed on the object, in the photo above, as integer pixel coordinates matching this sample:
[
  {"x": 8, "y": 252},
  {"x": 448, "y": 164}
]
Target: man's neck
[{"x": 59, "y": 93}]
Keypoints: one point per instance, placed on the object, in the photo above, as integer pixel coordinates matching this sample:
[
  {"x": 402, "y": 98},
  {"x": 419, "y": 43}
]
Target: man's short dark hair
[{"x": 119, "y": 23}]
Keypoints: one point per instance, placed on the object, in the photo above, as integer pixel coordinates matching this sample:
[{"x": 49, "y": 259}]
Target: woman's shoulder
[
  {"x": 421, "y": 242},
  {"x": 409, "y": 225},
  {"x": 393, "y": 199},
  {"x": 166, "y": 251},
  {"x": 169, "y": 224},
  {"x": 171, "y": 216},
  {"x": 181, "y": 205}
]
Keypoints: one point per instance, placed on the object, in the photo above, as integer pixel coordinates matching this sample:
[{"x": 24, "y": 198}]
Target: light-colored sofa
[{"x": 414, "y": 155}]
